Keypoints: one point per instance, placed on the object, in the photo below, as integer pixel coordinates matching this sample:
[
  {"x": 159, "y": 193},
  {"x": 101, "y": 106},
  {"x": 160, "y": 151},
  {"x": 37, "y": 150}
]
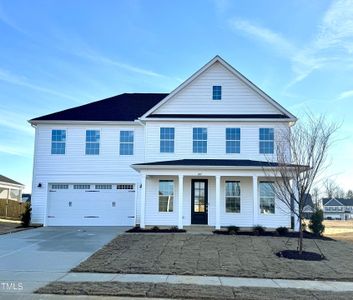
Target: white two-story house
[{"x": 195, "y": 156}]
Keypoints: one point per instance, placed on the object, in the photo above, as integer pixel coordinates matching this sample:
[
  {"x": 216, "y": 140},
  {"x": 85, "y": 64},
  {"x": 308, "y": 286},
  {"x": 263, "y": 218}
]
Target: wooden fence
[{"x": 11, "y": 209}]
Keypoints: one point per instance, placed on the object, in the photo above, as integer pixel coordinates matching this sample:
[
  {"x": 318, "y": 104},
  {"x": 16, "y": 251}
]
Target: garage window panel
[
  {"x": 59, "y": 186},
  {"x": 125, "y": 186},
  {"x": 82, "y": 186},
  {"x": 103, "y": 187}
]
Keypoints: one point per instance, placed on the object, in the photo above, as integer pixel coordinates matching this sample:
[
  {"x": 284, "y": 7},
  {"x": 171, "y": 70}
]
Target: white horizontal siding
[
  {"x": 245, "y": 218},
  {"x": 216, "y": 140},
  {"x": 76, "y": 167},
  {"x": 237, "y": 97}
]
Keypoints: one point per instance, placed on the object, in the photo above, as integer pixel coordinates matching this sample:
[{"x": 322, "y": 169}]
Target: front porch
[{"x": 177, "y": 196}]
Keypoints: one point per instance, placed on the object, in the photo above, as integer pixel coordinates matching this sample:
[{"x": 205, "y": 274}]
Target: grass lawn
[
  {"x": 239, "y": 256},
  {"x": 339, "y": 230}
]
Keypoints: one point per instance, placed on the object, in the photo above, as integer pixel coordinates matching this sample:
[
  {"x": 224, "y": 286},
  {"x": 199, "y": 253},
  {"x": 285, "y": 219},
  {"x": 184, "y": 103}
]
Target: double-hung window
[
  {"x": 232, "y": 196},
  {"x": 217, "y": 92},
  {"x": 92, "y": 142},
  {"x": 232, "y": 140},
  {"x": 58, "y": 141},
  {"x": 126, "y": 143},
  {"x": 167, "y": 140},
  {"x": 166, "y": 195},
  {"x": 266, "y": 137},
  {"x": 267, "y": 198},
  {"x": 199, "y": 144}
]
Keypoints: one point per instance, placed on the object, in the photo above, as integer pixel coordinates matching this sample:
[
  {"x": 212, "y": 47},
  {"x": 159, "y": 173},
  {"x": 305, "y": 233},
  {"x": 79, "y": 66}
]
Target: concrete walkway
[{"x": 333, "y": 286}]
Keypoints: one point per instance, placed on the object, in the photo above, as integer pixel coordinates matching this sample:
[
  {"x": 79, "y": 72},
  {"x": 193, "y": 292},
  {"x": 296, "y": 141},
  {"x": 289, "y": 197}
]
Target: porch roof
[{"x": 206, "y": 163}]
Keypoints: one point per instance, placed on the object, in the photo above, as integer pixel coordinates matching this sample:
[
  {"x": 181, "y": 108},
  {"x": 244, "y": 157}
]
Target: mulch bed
[
  {"x": 184, "y": 291},
  {"x": 155, "y": 230},
  {"x": 293, "y": 254},
  {"x": 306, "y": 234}
]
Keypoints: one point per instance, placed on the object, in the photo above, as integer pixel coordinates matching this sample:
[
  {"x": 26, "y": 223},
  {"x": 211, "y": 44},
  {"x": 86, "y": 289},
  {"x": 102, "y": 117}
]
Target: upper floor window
[
  {"x": 126, "y": 143},
  {"x": 199, "y": 144},
  {"x": 58, "y": 140},
  {"x": 217, "y": 92},
  {"x": 92, "y": 142},
  {"x": 166, "y": 195},
  {"x": 232, "y": 140},
  {"x": 167, "y": 140},
  {"x": 232, "y": 196},
  {"x": 266, "y": 137},
  {"x": 267, "y": 198}
]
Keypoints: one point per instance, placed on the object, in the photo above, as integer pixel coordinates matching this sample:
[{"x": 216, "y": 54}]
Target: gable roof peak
[{"x": 236, "y": 73}]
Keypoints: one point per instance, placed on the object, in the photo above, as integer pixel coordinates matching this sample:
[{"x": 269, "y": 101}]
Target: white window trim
[
  {"x": 133, "y": 143},
  {"x": 192, "y": 141}
]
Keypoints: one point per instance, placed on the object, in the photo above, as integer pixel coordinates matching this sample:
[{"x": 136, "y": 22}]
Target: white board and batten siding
[
  {"x": 77, "y": 168},
  {"x": 237, "y": 97}
]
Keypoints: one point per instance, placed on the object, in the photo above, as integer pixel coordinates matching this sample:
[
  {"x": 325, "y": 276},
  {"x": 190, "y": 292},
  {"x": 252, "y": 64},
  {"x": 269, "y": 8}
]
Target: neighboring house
[
  {"x": 338, "y": 208},
  {"x": 308, "y": 206},
  {"x": 194, "y": 156},
  {"x": 26, "y": 197},
  {"x": 10, "y": 189}
]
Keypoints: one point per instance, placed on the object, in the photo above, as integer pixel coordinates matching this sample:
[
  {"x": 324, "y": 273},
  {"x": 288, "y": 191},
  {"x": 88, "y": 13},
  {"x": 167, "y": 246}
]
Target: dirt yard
[
  {"x": 183, "y": 291},
  {"x": 240, "y": 256},
  {"x": 339, "y": 230}
]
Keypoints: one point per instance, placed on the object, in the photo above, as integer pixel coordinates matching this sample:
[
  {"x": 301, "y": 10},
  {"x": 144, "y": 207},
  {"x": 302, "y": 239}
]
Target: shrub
[
  {"x": 155, "y": 228},
  {"x": 174, "y": 229},
  {"x": 258, "y": 230},
  {"x": 233, "y": 229},
  {"x": 26, "y": 216},
  {"x": 282, "y": 230},
  {"x": 315, "y": 224}
]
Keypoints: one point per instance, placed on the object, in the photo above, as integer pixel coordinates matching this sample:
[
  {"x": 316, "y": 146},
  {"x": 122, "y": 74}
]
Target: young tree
[
  {"x": 301, "y": 156},
  {"x": 315, "y": 195}
]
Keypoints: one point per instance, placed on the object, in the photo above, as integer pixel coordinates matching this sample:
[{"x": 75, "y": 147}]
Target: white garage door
[{"x": 91, "y": 205}]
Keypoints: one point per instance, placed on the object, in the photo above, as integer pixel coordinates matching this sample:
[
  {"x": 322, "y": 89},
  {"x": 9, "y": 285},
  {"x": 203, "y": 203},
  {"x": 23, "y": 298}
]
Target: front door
[{"x": 199, "y": 202}]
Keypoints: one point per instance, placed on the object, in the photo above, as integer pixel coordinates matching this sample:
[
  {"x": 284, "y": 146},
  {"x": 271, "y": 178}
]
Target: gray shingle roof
[
  {"x": 8, "y": 180},
  {"x": 337, "y": 202}
]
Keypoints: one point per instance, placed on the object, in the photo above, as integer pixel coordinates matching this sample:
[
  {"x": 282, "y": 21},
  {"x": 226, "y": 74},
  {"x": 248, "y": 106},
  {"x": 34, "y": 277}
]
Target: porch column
[
  {"x": 218, "y": 202},
  {"x": 255, "y": 196},
  {"x": 180, "y": 200},
  {"x": 143, "y": 201}
]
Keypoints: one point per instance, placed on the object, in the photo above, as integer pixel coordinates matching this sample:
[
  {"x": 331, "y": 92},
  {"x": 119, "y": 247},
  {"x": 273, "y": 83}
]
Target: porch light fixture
[{"x": 39, "y": 185}]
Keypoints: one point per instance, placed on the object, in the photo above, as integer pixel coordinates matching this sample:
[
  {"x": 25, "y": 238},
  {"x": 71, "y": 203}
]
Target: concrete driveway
[{"x": 30, "y": 259}]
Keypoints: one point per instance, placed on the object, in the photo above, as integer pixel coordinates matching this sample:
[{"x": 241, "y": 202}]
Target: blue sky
[{"x": 59, "y": 54}]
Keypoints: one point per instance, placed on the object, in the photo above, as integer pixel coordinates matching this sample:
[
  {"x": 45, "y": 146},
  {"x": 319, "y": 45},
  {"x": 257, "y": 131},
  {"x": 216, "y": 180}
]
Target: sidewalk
[{"x": 332, "y": 286}]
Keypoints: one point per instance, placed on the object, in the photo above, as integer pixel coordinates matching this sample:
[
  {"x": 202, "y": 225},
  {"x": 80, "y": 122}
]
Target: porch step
[{"x": 199, "y": 229}]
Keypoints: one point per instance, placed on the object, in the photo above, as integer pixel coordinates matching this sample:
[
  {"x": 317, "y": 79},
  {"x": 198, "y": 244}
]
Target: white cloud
[
  {"x": 9, "y": 22},
  {"x": 8, "y": 77},
  {"x": 264, "y": 34},
  {"x": 15, "y": 121},
  {"x": 333, "y": 42},
  {"x": 105, "y": 60},
  {"x": 344, "y": 95},
  {"x": 15, "y": 150}
]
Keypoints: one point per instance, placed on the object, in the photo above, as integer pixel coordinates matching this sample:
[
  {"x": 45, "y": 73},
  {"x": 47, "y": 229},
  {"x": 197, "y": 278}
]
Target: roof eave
[
  {"x": 73, "y": 122},
  {"x": 290, "y": 120}
]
